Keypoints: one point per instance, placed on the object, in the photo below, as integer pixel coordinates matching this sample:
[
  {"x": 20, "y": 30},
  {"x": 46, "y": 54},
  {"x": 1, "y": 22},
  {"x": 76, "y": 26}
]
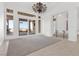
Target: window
[
  {"x": 32, "y": 27},
  {"x": 10, "y": 25},
  {"x": 23, "y": 27},
  {"x": 26, "y": 27}
]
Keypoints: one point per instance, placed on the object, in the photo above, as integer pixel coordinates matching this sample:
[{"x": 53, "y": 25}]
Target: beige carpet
[
  {"x": 62, "y": 48},
  {"x": 25, "y": 46}
]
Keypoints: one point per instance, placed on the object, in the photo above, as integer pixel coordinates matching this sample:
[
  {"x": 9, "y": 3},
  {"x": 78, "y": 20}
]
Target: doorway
[{"x": 60, "y": 25}]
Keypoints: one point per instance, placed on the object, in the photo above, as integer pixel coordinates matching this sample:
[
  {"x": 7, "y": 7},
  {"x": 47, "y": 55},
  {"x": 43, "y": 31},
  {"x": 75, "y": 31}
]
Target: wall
[
  {"x": 57, "y": 9},
  {"x": 46, "y": 19},
  {"x": 78, "y": 20},
  {"x": 1, "y": 23},
  {"x": 17, "y": 7}
]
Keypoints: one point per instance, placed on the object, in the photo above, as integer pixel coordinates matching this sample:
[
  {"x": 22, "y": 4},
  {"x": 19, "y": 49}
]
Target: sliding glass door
[
  {"x": 23, "y": 27},
  {"x": 26, "y": 27}
]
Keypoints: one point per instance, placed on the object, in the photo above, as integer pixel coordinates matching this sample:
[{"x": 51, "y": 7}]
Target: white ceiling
[{"x": 50, "y": 5}]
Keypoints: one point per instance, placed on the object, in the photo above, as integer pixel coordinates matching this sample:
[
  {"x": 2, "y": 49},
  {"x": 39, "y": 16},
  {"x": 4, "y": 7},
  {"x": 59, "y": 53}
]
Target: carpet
[{"x": 25, "y": 46}]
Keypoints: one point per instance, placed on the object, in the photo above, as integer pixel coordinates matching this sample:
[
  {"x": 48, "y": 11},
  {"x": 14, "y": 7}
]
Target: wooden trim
[
  {"x": 9, "y": 10},
  {"x": 22, "y": 19},
  {"x": 25, "y": 14},
  {"x": 9, "y": 17}
]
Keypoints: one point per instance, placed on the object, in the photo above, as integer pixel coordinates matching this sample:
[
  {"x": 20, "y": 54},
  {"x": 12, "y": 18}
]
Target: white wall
[
  {"x": 46, "y": 19},
  {"x": 72, "y": 24},
  {"x": 78, "y": 20},
  {"x": 72, "y": 20},
  {"x": 17, "y": 7},
  {"x": 46, "y": 25},
  {"x": 53, "y": 10},
  {"x": 1, "y": 23}
]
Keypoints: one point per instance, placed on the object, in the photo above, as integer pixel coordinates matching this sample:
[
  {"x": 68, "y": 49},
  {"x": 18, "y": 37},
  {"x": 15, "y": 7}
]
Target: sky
[{"x": 23, "y": 25}]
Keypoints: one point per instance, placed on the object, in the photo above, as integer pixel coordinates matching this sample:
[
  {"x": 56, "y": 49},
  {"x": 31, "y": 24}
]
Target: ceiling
[{"x": 50, "y": 5}]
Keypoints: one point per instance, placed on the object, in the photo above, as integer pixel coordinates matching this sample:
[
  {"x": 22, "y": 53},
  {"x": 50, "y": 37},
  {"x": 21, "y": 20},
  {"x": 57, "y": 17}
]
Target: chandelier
[{"x": 39, "y": 7}]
